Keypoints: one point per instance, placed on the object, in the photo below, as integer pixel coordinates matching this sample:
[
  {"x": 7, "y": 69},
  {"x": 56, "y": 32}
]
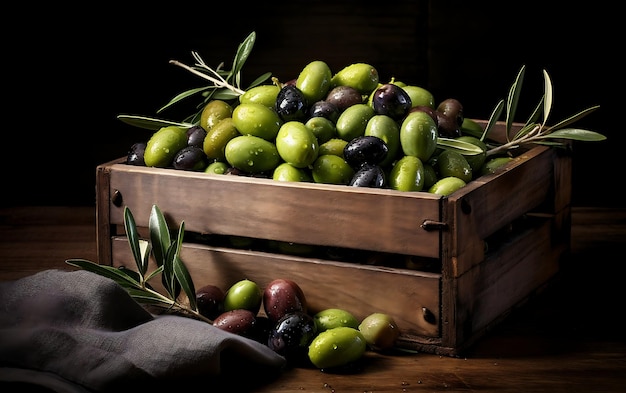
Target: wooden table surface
[{"x": 569, "y": 338}]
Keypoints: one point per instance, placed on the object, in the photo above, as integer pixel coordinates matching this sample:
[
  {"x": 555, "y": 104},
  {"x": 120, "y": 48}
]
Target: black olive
[
  {"x": 369, "y": 175},
  {"x": 135, "y": 154},
  {"x": 190, "y": 158},
  {"x": 291, "y": 104},
  {"x": 291, "y": 336},
  {"x": 365, "y": 149},
  {"x": 195, "y": 136}
]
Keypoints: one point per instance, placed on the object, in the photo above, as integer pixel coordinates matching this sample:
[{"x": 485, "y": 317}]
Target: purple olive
[
  {"x": 283, "y": 296},
  {"x": 391, "y": 100},
  {"x": 241, "y": 322},
  {"x": 210, "y": 301}
]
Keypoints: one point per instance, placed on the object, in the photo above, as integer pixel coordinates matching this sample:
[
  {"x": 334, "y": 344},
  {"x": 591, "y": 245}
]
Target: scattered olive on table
[{"x": 328, "y": 339}]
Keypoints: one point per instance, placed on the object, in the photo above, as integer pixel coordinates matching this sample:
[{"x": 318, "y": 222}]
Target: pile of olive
[
  {"x": 346, "y": 128},
  {"x": 330, "y": 339}
]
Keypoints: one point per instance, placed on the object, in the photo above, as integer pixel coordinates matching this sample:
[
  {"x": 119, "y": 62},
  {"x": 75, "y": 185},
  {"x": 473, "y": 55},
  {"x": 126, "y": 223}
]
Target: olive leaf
[
  {"x": 150, "y": 123},
  {"x": 225, "y": 85},
  {"x": 166, "y": 253},
  {"x": 533, "y": 131},
  {"x": 460, "y": 146}
]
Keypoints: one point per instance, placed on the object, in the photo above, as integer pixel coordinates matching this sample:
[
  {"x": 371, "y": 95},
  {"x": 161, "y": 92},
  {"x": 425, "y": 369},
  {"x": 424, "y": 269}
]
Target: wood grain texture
[{"x": 566, "y": 338}]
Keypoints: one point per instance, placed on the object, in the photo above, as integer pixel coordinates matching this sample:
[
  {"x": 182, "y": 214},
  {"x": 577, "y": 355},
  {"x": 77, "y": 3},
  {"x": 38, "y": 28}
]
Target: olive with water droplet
[
  {"x": 296, "y": 144},
  {"x": 291, "y": 104},
  {"x": 334, "y": 317},
  {"x": 337, "y": 347},
  {"x": 368, "y": 175},
  {"x": 252, "y": 154},
  {"x": 190, "y": 158},
  {"x": 291, "y": 336},
  {"x": 391, "y": 100},
  {"x": 365, "y": 149}
]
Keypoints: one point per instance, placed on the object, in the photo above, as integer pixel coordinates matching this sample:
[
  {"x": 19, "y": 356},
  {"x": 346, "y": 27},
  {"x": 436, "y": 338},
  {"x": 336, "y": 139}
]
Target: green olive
[
  {"x": 418, "y": 135},
  {"x": 217, "y": 137},
  {"x": 361, "y": 76},
  {"x": 332, "y": 169},
  {"x": 213, "y": 112},
  {"x": 334, "y": 317},
  {"x": 216, "y": 168},
  {"x": 323, "y": 129},
  {"x": 163, "y": 146},
  {"x": 333, "y": 146},
  {"x": 491, "y": 165},
  {"x": 446, "y": 186},
  {"x": 288, "y": 172},
  {"x": 262, "y": 94},
  {"x": 430, "y": 176},
  {"x": 407, "y": 174},
  {"x": 420, "y": 96},
  {"x": 257, "y": 120},
  {"x": 252, "y": 154},
  {"x": 385, "y": 128},
  {"x": 380, "y": 331},
  {"x": 314, "y": 81},
  {"x": 353, "y": 121},
  {"x": 297, "y": 144},
  {"x": 475, "y": 161},
  {"x": 243, "y": 295},
  {"x": 337, "y": 347},
  {"x": 453, "y": 163}
]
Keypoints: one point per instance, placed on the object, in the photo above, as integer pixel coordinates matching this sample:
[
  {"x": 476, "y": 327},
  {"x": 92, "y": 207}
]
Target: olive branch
[
  {"x": 534, "y": 130},
  {"x": 166, "y": 253}
]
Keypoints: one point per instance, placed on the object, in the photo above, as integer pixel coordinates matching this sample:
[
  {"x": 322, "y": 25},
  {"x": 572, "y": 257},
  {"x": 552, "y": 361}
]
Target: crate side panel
[
  {"x": 493, "y": 202},
  {"x": 359, "y": 289},
  {"x": 381, "y": 220},
  {"x": 506, "y": 278}
]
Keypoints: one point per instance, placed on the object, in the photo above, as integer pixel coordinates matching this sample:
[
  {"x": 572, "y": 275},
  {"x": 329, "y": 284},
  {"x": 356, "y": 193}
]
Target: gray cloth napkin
[{"x": 78, "y": 331}]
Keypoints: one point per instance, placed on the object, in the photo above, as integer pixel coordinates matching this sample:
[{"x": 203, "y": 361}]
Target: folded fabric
[{"x": 85, "y": 331}]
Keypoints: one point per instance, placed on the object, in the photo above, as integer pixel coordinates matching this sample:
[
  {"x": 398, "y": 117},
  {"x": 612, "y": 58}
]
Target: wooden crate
[{"x": 452, "y": 267}]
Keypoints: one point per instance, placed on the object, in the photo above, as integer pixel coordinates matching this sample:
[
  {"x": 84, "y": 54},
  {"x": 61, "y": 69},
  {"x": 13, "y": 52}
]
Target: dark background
[{"x": 68, "y": 72}]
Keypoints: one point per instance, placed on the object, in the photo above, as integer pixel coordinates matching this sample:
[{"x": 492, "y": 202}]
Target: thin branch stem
[{"x": 217, "y": 82}]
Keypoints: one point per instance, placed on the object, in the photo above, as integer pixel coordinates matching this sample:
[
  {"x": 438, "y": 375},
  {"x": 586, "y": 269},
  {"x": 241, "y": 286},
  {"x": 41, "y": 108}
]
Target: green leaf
[
  {"x": 224, "y": 95},
  {"x": 159, "y": 235},
  {"x": 149, "y": 123},
  {"x": 525, "y": 130},
  {"x": 495, "y": 115},
  {"x": 149, "y": 297},
  {"x": 574, "y": 118},
  {"x": 460, "y": 146},
  {"x": 169, "y": 278},
  {"x": 513, "y": 99},
  {"x": 120, "y": 276},
  {"x": 575, "y": 134},
  {"x": 547, "y": 102},
  {"x": 243, "y": 52},
  {"x": 258, "y": 81},
  {"x": 133, "y": 241},
  {"x": 154, "y": 273},
  {"x": 181, "y": 273},
  {"x": 184, "y": 95}
]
